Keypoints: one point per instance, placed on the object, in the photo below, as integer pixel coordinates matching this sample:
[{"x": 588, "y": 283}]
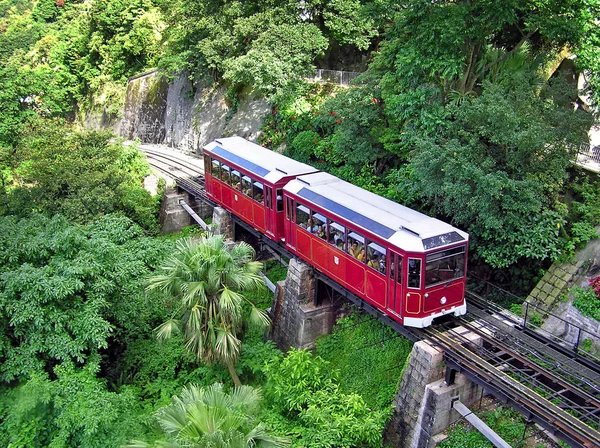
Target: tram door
[
  {"x": 394, "y": 302},
  {"x": 271, "y": 214}
]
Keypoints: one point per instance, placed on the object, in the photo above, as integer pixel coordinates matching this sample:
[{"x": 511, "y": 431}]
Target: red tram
[{"x": 407, "y": 264}]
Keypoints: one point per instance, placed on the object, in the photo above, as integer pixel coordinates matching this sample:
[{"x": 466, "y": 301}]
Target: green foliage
[
  {"x": 66, "y": 290},
  {"x": 360, "y": 343},
  {"x": 507, "y": 423},
  {"x": 305, "y": 389},
  {"x": 210, "y": 417},
  {"x": 497, "y": 171},
  {"x": 586, "y": 302},
  {"x": 81, "y": 175},
  {"x": 75, "y": 409},
  {"x": 203, "y": 283}
]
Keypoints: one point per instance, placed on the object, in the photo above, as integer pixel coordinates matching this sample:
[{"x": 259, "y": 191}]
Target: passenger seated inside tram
[
  {"x": 362, "y": 256},
  {"x": 236, "y": 185},
  {"x": 340, "y": 244},
  {"x": 374, "y": 262},
  {"x": 382, "y": 264},
  {"x": 354, "y": 250}
]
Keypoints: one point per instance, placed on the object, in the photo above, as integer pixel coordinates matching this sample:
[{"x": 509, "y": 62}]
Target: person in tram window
[
  {"x": 362, "y": 256},
  {"x": 340, "y": 244},
  {"x": 382, "y": 264},
  {"x": 374, "y": 262},
  {"x": 354, "y": 249}
]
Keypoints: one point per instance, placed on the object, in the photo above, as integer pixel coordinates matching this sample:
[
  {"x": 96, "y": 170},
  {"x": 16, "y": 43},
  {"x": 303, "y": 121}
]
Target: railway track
[{"x": 548, "y": 383}]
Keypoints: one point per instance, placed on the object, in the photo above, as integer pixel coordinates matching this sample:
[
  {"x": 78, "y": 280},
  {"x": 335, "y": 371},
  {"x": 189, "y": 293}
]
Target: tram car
[
  {"x": 248, "y": 180},
  {"x": 407, "y": 264}
]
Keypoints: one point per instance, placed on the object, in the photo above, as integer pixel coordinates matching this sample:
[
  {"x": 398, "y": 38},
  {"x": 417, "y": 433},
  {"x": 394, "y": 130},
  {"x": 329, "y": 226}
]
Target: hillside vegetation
[{"x": 466, "y": 110}]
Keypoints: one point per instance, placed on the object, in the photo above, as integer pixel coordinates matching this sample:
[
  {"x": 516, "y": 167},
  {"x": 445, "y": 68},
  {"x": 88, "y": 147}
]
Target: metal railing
[
  {"x": 588, "y": 155},
  {"x": 339, "y": 77}
]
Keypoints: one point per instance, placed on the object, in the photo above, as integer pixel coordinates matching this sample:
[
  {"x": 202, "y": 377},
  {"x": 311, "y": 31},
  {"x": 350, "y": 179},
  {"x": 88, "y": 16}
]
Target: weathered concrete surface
[
  {"x": 173, "y": 217},
  {"x": 144, "y": 109},
  {"x": 222, "y": 223},
  {"x": 186, "y": 116},
  {"x": 423, "y": 405},
  {"x": 552, "y": 293},
  {"x": 297, "y": 322}
]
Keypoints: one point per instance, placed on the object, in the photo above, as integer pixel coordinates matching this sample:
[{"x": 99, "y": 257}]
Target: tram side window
[
  {"x": 319, "y": 227},
  {"x": 247, "y": 186},
  {"x": 288, "y": 210},
  {"x": 414, "y": 273},
  {"x": 337, "y": 235},
  {"x": 356, "y": 245},
  {"x": 206, "y": 164},
  {"x": 257, "y": 191},
  {"x": 279, "y": 199},
  {"x": 375, "y": 256},
  {"x": 225, "y": 174},
  {"x": 215, "y": 168},
  {"x": 302, "y": 216},
  {"x": 235, "y": 179},
  {"x": 445, "y": 265}
]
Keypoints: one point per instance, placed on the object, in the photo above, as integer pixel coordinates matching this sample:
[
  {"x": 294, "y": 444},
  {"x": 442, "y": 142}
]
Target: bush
[{"x": 586, "y": 302}]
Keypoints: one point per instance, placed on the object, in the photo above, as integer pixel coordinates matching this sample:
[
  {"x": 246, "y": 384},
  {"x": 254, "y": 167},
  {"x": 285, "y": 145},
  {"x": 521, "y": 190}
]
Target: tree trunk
[{"x": 234, "y": 375}]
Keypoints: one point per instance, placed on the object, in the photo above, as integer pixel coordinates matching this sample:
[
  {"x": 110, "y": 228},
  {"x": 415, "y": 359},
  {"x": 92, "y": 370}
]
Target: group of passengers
[{"x": 371, "y": 257}]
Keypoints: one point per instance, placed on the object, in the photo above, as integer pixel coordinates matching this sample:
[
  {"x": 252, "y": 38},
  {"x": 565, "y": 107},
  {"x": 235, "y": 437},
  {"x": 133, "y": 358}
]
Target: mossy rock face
[{"x": 145, "y": 108}]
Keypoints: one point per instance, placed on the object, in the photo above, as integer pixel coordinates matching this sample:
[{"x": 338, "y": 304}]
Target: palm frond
[
  {"x": 227, "y": 346},
  {"x": 259, "y": 318},
  {"x": 167, "y": 329}
]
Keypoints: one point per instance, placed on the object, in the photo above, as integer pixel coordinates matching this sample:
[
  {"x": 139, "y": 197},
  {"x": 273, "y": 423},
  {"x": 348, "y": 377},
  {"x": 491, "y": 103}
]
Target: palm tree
[
  {"x": 204, "y": 279},
  {"x": 211, "y": 418}
]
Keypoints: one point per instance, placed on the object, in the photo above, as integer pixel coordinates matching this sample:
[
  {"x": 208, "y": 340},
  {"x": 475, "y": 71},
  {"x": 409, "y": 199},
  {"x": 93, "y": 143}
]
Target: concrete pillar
[
  {"x": 297, "y": 322},
  {"x": 222, "y": 223},
  {"x": 423, "y": 405},
  {"x": 173, "y": 217}
]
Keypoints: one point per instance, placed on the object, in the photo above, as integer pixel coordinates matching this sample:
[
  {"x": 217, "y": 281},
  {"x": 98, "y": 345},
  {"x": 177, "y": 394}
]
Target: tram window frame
[
  {"x": 289, "y": 208},
  {"x": 225, "y": 174},
  {"x": 246, "y": 185},
  {"x": 341, "y": 233},
  {"x": 215, "y": 163},
  {"x": 414, "y": 275},
  {"x": 372, "y": 248},
  {"x": 455, "y": 256},
  {"x": 299, "y": 207},
  {"x": 207, "y": 164},
  {"x": 279, "y": 199},
  {"x": 236, "y": 184},
  {"x": 359, "y": 239},
  {"x": 318, "y": 225},
  {"x": 258, "y": 190}
]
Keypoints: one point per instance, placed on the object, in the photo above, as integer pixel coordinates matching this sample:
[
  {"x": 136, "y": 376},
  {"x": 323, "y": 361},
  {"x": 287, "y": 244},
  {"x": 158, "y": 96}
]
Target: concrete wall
[
  {"x": 297, "y": 322},
  {"x": 423, "y": 405},
  {"x": 173, "y": 217}
]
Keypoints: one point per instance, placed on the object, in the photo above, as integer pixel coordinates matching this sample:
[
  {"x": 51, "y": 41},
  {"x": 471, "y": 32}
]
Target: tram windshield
[{"x": 444, "y": 266}]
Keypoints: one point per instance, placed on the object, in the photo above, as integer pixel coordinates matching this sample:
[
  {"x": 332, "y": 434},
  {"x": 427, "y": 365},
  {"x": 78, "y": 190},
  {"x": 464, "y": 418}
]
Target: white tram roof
[
  {"x": 266, "y": 164},
  {"x": 399, "y": 225}
]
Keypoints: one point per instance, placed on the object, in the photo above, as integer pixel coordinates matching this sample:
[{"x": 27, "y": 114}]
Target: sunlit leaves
[
  {"x": 205, "y": 280},
  {"x": 65, "y": 290}
]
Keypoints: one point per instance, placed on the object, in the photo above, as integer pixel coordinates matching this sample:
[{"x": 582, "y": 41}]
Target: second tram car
[
  {"x": 248, "y": 180},
  {"x": 409, "y": 265}
]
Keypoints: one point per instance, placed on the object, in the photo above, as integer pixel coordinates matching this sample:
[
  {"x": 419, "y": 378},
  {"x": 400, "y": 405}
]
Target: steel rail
[
  {"x": 506, "y": 388},
  {"x": 197, "y": 170}
]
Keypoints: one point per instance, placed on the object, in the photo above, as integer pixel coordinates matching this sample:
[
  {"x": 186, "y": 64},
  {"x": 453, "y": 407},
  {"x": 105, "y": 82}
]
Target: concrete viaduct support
[
  {"x": 423, "y": 405},
  {"x": 173, "y": 217}
]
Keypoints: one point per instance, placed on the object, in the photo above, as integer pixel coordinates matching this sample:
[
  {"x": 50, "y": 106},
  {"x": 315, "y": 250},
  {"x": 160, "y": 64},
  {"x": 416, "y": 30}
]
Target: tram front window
[{"x": 445, "y": 265}]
